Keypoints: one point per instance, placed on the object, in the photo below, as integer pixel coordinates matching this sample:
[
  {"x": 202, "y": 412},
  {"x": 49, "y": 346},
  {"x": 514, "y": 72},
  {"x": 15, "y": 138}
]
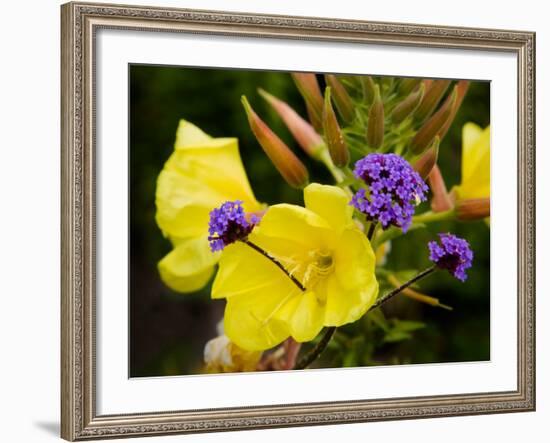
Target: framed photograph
[{"x": 282, "y": 221}]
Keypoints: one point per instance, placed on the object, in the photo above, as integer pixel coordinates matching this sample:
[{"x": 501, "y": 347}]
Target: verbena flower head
[
  {"x": 394, "y": 189},
  {"x": 452, "y": 253},
  {"x": 228, "y": 224}
]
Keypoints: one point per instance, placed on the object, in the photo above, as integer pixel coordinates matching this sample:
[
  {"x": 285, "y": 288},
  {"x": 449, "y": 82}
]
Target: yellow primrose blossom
[
  {"x": 201, "y": 173},
  {"x": 221, "y": 355},
  {"x": 322, "y": 248},
  {"x": 476, "y": 163}
]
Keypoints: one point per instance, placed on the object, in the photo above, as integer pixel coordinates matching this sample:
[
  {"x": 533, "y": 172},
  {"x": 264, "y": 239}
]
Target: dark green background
[{"x": 168, "y": 331}]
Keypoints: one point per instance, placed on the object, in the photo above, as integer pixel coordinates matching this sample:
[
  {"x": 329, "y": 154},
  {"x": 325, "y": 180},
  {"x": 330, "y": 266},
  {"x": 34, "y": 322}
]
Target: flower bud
[
  {"x": 314, "y": 119},
  {"x": 408, "y": 105},
  {"x": 431, "y": 128},
  {"x": 368, "y": 88},
  {"x": 425, "y": 164},
  {"x": 288, "y": 165},
  {"x": 375, "y": 125},
  {"x": 441, "y": 200},
  {"x": 341, "y": 98},
  {"x": 333, "y": 134},
  {"x": 309, "y": 89},
  {"x": 434, "y": 93},
  {"x": 473, "y": 209},
  {"x": 461, "y": 90},
  {"x": 408, "y": 85},
  {"x": 303, "y": 132}
]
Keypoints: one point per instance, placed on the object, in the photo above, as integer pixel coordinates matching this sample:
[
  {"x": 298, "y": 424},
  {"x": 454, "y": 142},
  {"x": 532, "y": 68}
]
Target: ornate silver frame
[{"x": 80, "y": 21}]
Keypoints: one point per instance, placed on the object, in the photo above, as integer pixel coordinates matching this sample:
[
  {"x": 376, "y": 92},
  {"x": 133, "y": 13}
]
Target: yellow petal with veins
[
  {"x": 304, "y": 315},
  {"x": 189, "y": 266},
  {"x": 297, "y": 224},
  {"x": 244, "y": 272},
  {"x": 352, "y": 289},
  {"x": 188, "y": 134},
  {"x": 476, "y": 163},
  {"x": 331, "y": 203}
]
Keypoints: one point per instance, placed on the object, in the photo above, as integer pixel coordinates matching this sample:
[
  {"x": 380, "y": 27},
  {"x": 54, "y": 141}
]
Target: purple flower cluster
[
  {"x": 394, "y": 189},
  {"x": 452, "y": 253},
  {"x": 228, "y": 224}
]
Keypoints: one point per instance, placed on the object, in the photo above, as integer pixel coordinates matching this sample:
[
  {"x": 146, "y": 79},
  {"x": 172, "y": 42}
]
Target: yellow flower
[
  {"x": 220, "y": 355},
  {"x": 321, "y": 247},
  {"x": 201, "y": 173},
  {"x": 476, "y": 163}
]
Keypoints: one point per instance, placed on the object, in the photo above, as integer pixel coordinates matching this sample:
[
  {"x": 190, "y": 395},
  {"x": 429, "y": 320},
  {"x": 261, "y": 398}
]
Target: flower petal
[
  {"x": 188, "y": 135},
  {"x": 244, "y": 272},
  {"x": 476, "y": 162},
  {"x": 305, "y": 316},
  {"x": 197, "y": 179},
  {"x": 297, "y": 224},
  {"x": 249, "y": 323},
  {"x": 329, "y": 202},
  {"x": 353, "y": 287},
  {"x": 182, "y": 206},
  {"x": 256, "y": 289},
  {"x": 215, "y": 165},
  {"x": 189, "y": 266}
]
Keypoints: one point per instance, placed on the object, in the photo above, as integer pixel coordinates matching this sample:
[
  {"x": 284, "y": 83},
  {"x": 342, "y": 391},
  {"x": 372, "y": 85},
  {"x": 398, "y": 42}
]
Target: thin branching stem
[
  {"x": 276, "y": 263},
  {"x": 314, "y": 353}
]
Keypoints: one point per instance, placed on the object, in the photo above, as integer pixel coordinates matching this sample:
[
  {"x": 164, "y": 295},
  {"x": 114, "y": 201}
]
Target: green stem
[
  {"x": 429, "y": 217},
  {"x": 405, "y": 285},
  {"x": 312, "y": 355},
  {"x": 372, "y": 228},
  {"x": 324, "y": 157}
]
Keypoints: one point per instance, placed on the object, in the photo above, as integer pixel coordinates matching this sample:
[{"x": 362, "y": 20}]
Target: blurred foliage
[{"x": 168, "y": 331}]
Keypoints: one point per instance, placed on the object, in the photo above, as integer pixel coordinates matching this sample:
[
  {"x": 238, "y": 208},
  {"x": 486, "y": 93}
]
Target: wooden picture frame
[{"x": 80, "y": 21}]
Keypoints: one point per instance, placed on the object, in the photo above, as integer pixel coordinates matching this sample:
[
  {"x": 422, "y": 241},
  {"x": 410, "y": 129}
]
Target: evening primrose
[
  {"x": 298, "y": 270},
  {"x": 201, "y": 173},
  {"x": 476, "y": 163}
]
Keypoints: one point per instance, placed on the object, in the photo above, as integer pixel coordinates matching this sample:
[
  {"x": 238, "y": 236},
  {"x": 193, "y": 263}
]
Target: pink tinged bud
[
  {"x": 314, "y": 119},
  {"x": 309, "y": 89},
  {"x": 369, "y": 88},
  {"x": 408, "y": 105},
  {"x": 425, "y": 164},
  {"x": 441, "y": 200},
  {"x": 302, "y": 131},
  {"x": 435, "y": 90},
  {"x": 461, "y": 90},
  {"x": 375, "y": 125},
  {"x": 473, "y": 209},
  {"x": 425, "y": 135},
  {"x": 333, "y": 134},
  {"x": 341, "y": 98},
  {"x": 288, "y": 165},
  {"x": 408, "y": 85}
]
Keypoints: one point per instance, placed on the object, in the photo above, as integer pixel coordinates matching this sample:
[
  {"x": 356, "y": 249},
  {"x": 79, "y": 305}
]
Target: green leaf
[
  {"x": 350, "y": 359},
  {"x": 407, "y": 325},
  {"x": 395, "y": 336},
  {"x": 378, "y": 318}
]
